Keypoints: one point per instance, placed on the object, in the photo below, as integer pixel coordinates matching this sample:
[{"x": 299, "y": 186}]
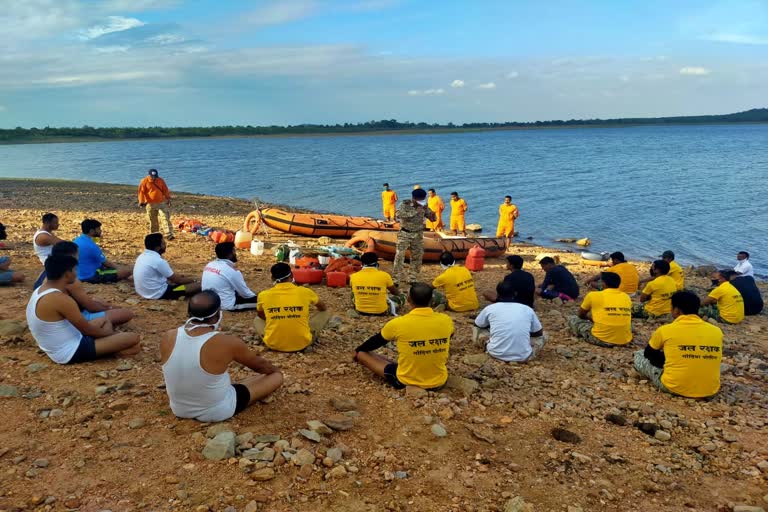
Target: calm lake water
[{"x": 698, "y": 190}]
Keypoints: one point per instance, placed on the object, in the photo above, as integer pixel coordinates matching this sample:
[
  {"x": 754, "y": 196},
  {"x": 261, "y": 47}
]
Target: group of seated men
[{"x": 71, "y": 326}]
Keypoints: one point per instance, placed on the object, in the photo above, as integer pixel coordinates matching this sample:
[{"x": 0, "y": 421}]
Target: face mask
[
  {"x": 422, "y": 203},
  {"x": 284, "y": 279},
  {"x": 233, "y": 259},
  {"x": 200, "y": 319},
  {"x": 374, "y": 265},
  {"x": 715, "y": 282},
  {"x": 97, "y": 239},
  {"x": 446, "y": 267}
]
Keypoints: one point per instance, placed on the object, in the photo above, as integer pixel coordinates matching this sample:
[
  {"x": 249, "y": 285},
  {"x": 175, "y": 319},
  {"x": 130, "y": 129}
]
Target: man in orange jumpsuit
[
  {"x": 389, "y": 203},
  {"x": 458, "y": 209},
  {"x": 155, "y": 196},
  {"x": 436, "y": 204},
  {"x": 507, "y": 214}
]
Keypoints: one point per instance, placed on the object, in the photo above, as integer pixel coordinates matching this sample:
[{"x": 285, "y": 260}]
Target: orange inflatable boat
[
  {"x": 315, "y": 224},
  {"x": 385, "y": 245}
]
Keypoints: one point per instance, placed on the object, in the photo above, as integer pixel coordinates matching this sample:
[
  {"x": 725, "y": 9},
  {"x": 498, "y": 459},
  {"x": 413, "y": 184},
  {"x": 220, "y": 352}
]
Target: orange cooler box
[
  {"x": 476, "y": 259},
  {"x": 308, "y": 275},
  {"x": 336, "y": 279}
]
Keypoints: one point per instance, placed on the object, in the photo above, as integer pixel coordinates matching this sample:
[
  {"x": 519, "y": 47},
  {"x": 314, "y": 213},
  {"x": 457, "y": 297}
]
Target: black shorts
[
  {"x": 86, "y": 351},
  {"x": 174, "y": 293},
  {"x": 103, "y": 276},
  {"x": 243, "y": 397},
  {"x": 390, "y": 374}
]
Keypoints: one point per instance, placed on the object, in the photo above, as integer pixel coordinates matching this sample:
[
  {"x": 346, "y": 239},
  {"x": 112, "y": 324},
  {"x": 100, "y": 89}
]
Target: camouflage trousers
[
  {"x": 650, "y": 372},
  {"x": 583, "y": 329},
  {"x": 639, "y": 311},
  {"x": 394, "y": 302},
  {"x": 415, "y": 243},
  {"x": 712, "y": 311}
]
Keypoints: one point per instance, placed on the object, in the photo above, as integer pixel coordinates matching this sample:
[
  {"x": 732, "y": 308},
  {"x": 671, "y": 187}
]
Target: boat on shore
[
  {"x": 314, "y": 224},
  {"x": 384, "y": 244},
  {"x": 597, "y": 259}
]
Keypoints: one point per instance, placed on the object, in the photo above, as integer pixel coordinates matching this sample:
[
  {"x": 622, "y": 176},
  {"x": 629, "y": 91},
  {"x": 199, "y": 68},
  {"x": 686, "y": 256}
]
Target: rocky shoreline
[{"x": 576, "y": 429}]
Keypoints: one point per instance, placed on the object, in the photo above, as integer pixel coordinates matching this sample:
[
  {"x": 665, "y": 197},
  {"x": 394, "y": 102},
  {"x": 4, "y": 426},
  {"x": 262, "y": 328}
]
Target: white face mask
[
  {"x": 446, "y": 267},
  {"x": 215, "y": 326},
  {"x": 422, "y": 203}
]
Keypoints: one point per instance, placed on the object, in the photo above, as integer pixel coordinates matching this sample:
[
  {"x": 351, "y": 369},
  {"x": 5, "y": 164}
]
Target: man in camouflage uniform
[{"x": 411, "y": 215}]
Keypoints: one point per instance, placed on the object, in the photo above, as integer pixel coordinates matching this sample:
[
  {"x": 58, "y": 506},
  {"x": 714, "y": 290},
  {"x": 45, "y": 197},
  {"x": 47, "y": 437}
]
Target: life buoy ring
[
  {"x": 363, "y": 243},
  {"x": 252, "y": 218}
]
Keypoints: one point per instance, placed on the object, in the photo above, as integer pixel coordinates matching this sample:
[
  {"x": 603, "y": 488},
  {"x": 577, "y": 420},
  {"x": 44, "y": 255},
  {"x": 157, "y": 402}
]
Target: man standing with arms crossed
[
  {"x": 436, "y": 204},
  {"x": 155, "y": 196},
  {"x": 458, "y": 209},
  {"x": 508, "y": 212},
  {"x": 411, "y": 215},
  {"x": 388, "y": 203}
]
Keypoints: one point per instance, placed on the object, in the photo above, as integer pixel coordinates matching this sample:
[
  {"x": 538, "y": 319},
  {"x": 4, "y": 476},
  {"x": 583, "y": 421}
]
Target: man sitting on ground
[
  {"x": 93, "y": 267},
  {"x": 522, "y": 282},
  {"x": 753, "y": 299},
  {"x": 675, "y": 270},
  {"x": 508, "y": 330},
  {"x": 626, "y": 271},
  {"x": 7, "y": 276},
  {"x": 195, "y": 358},
  {"x": 605, "y": 317},
  {"x": 558, "y": 283},
  {"x": 153, "y": 277},
  {"x": 90, "y": 308},
  {"x": 370, "y": 286},
  {"x": 744, "y": 267},
  {"x": 459, "y": 286},
  {"x": 423, "y": 339},
  {"x": 59, "y": 328},
  {"x": 222, "y": 276},
  {"x": 656, "y": 297},
  {"x": 43, "y": 240},
  {"x": 725, "y": 304},
  {"x": 683, "y": 357},
  {"x": 284, "y": 321}
]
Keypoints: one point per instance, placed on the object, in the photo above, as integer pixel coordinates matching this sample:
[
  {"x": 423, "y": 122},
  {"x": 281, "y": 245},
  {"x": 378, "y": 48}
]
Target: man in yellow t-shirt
[
  {"x": 436, "y": 204},
  {"x": 630, "y": 279},
  {"x": 389, "y": 203},
  {"x": 725, "y": 303},
  {"x": 655, "y": 299},
  {"x": 369, "y": 288},
  {"x": 459, "y": 286},
  {"x": 508, "y": 212},
  {"x": 458, "y": 210},
  {"x": 605, "y": 317},
  {"x": 675, "y": 270},
  {"x": 423, "y": 339},
  {"x": 284, "y": 321},
  {"x": 683, "y": 357}
]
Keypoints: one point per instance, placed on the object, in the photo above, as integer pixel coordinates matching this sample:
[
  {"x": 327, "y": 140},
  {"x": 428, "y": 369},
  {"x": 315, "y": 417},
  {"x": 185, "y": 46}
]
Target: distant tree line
[{"x": 758, "y": 115}]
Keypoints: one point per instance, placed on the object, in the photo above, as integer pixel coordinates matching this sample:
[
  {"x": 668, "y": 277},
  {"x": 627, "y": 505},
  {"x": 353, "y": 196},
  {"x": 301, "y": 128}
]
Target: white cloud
[
  {"x": 114, "y": 24},
  {"x": 112, "y": 49},
  {"x": 33, "y": 19},
  {"x": 457, "y": 84},
  {"x": 3, "y": 108},
  {"x": 624, "y": 78},
  {"x": 736, "y": 38},
  {"x": 280, "y": 12},
  {"x": 94, "y": 78},
  {"x": 512, "y": 74},
  {"x": 135, "y": 5},
  {"x": 166, "y": 39},
  {"x": 489, "y": 85},
  {"x": 694, "y": 71},
  {"x": 426, "y": 92}
]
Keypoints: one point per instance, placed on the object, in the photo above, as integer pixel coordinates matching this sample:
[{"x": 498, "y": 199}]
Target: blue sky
[{"x": 205, "y": 62}]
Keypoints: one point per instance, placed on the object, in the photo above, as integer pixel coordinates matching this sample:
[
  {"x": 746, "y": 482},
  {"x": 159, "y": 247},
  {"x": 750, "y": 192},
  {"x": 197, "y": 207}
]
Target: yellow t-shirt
[
  {"x": 369, "y": 286},
  {"x": 388, "y": 198},
  {"x": 661, "y": 290},
  {"x": 692, "y": 352},
  {"x": 730, "y": 303},
  {"x": 286, "y": 307},
  {"x": 612, "y": 315},
  {"x": 458, "y": 208},
  {"x": 507, "y": 213},
  {"x": 435, "y": 203},
  {"x": 423, "y": 340},
  {"x": 459, "y": 288},
  {"x": 676, "y": 273},
  {"x": 630, "y": 279}
]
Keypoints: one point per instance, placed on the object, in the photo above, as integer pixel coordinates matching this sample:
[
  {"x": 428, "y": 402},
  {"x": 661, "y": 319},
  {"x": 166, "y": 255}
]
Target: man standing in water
[
  {"x": 388, "y": 203},
  {"x": 458, "y": 209},
  {"x": 155, "y": 196},
  {"x": 507, "y": 214},
  {"x": 411, "y": 215}
]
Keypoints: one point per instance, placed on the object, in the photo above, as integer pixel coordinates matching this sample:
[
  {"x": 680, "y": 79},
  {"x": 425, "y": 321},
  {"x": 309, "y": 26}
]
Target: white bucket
[
  {"x": 324, "y": 260},
  {"x": 293, "y": 255},
  {"x": 257, "y": 247}
]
